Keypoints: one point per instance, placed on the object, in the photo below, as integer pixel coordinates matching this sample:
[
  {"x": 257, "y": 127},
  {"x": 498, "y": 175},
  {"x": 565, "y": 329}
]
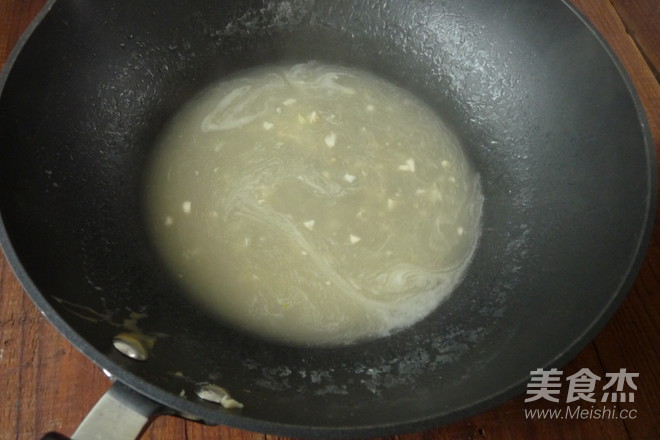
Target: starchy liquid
[{"x": 313, "y": 204}]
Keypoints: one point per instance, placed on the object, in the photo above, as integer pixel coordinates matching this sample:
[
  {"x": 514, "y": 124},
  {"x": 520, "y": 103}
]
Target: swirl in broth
[{"x": 313, "y": 204}]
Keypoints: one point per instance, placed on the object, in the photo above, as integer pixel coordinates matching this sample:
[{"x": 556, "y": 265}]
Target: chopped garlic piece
[
  {"x": 391, "y": 204},
  {"x": 216, "y": 394},
  {"x": 186, "y": 207},
  {"x": 313, "y": 117},
  {"x": 278, "y": 110},
  {"x": 289, "y": 101},
  {"x": 169, "y": 221},
  {"x": 460, "y": 230},
  {"x": 349, "y": 178},
  {"x": 309, "y": 224},
  {"x": 445, "y": 164},
  {"x": 331, "y": 139},
  {"x": 370, "y": 108},
  {"x": 411, "y": 164},
  {"x": 354, "y": 238},
  {"x": 268, "y": 125}
]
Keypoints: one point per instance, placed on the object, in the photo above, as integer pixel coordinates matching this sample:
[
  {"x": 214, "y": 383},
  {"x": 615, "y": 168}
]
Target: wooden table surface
[{"x": 47, "y": 384}]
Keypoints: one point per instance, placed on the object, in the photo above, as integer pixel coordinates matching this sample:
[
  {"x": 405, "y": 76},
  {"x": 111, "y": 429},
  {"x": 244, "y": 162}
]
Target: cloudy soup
[{"x": 313, "y": 204}]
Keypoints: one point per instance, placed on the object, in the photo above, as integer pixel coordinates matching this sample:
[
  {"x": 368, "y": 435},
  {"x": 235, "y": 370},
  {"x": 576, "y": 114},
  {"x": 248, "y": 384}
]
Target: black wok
[{"x": 547, "y": 116}]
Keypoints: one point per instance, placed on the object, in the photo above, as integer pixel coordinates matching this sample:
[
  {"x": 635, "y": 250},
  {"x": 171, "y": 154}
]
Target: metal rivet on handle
[{"x": 130, "y": 346}]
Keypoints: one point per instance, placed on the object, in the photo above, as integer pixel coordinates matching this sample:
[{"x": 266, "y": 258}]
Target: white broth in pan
[{"x": 313, "y": 204}]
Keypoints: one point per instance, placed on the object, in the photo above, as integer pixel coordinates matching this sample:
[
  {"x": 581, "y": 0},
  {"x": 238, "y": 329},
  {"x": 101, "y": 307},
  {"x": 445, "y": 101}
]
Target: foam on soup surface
[{"x": 313, "y": 204}]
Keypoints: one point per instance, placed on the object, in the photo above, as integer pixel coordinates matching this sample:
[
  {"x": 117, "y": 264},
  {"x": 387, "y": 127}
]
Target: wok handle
[{"x": 120, "y": 414}]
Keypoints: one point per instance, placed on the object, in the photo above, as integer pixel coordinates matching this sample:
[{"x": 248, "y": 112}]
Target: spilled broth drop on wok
[{"x": 313, "y": 204}]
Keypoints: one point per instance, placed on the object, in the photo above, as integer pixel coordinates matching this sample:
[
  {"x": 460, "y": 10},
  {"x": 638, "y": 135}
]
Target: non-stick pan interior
[{"x": 543, "y": 113}]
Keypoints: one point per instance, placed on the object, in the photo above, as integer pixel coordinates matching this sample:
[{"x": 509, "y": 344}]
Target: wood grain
[
  {"x": 46, "y": 384},
  {"x": 642, "y": 22}
]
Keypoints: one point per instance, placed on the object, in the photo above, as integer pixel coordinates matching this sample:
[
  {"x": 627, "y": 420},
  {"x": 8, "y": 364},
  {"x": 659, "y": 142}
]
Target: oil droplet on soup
[{"x": 313, "y": 204}]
